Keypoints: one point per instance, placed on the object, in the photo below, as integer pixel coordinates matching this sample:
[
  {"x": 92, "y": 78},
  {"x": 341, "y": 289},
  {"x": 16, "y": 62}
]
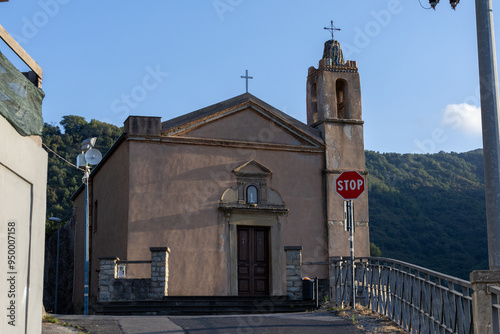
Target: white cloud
[{"x": 463, "y": 117}]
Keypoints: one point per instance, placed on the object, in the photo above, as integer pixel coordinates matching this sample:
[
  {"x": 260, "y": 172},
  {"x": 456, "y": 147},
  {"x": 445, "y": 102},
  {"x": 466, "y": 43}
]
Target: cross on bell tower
[{"x": 331, "y": 28}]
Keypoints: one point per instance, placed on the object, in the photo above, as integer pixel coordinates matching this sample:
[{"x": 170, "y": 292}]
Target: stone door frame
[{"x": 273, "y": 221}]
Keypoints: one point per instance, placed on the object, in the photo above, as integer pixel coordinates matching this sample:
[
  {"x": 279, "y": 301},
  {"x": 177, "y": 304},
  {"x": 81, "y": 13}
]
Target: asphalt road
[{"x": 289, "y": 323}]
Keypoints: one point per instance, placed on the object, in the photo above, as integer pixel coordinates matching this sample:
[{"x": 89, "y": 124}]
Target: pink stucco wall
[{"x": 174, "y": 198}]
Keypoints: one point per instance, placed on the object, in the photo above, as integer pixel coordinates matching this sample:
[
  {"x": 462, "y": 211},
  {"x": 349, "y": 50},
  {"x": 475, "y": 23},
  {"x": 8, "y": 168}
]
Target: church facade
[{"x": 228, "y": 188}]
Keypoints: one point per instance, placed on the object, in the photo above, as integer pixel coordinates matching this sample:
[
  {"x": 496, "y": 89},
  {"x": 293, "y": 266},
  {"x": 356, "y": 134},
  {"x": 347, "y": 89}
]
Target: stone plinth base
[
  {"x": 294, "y": 272},
  {"x": 481, "y": 299}
]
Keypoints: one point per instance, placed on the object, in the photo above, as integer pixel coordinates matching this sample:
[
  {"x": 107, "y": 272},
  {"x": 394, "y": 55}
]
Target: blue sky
[{"x": 107, "y": 60}]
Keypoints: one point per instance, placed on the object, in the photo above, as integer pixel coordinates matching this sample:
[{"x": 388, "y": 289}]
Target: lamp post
[
  {"x": 89, "y": 156},
  {"x": 490, "y": 118},
  {"x": 58, "y": 221},
  {"x": 485, "y": 320},
  {"x": 488, "y": 80}
]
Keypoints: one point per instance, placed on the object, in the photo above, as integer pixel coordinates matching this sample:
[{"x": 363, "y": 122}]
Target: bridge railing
[
  {"x": 495, "y": 305},
  {"x": 417, "y": 299}
]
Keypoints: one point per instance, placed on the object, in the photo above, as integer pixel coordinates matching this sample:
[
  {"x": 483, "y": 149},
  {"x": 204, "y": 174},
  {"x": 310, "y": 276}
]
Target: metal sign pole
[
  {"x": 349, "y": 226},
  {"x": 351, "y": 237}
]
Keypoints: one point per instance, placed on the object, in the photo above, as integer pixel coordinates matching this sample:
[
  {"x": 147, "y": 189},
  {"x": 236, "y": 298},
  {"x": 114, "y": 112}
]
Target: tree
[
  {"x": 374, "y": 250},
  {"x": 63, "y": 179}
]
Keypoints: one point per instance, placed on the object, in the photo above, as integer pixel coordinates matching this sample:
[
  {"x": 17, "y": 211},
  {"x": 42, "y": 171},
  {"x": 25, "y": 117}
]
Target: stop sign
[{"x": 350, "y": 184}]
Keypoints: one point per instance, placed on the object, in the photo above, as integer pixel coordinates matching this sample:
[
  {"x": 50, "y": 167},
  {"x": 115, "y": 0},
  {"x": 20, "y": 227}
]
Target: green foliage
[
  {"x": 49, "y": 318},
  {"x": 63, "y": 179},
  {"x": 429, "y": 209},
  {"x": 374, "y": 250}
]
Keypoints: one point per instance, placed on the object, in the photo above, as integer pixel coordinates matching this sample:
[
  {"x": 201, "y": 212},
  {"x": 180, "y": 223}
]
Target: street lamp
[
  {"x": 490, "y": 120},
  {"x": 89, "y": 156},
  {"x": 453, "y": 3},
  {"x": 58, "y": 221}
]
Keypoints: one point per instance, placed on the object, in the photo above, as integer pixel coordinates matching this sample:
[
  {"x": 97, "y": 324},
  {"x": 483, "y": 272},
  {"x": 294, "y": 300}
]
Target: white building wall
[{"x": 23, "y": 179}]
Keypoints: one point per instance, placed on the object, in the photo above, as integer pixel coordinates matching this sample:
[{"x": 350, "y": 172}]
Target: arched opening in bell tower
[
  {"x": 314, "y": 103},
  {"x": 341, "y": 94}
]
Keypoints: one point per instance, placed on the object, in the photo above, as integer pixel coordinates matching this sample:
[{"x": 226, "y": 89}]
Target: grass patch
[
  {"x": 53, "y": 320},
  {"x": 50, "y": 319}
]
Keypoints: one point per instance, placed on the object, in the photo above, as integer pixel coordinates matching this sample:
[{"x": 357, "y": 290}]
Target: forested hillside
[
  {"x": 66, "y": 140},
  {"x": 427, "y": 209}
]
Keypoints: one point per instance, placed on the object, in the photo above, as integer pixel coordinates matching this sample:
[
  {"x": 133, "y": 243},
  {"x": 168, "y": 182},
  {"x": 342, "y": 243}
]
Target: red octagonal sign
[{"x": 350, "y": 184}]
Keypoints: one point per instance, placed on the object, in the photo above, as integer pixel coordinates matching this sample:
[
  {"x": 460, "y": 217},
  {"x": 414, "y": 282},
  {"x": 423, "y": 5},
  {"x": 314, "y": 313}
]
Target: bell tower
[{"x": 334, "y": 108}]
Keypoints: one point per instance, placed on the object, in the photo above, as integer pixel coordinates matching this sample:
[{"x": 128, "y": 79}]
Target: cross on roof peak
[
  {"x": 331, "y": 28},
  {"x": 246, "y": 77}
]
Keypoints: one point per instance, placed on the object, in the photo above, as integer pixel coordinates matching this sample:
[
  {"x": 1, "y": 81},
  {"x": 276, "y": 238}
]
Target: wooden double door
[{"x": 253, "y": 261}]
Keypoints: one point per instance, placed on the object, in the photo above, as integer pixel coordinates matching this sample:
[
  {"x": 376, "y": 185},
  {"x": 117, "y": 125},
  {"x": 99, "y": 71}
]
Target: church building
[{"x": 228, "y": 190}]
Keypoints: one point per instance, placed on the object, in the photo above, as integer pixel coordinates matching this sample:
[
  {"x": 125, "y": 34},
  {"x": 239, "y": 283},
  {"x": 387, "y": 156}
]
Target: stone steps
[{"x": 209, "y": 305}]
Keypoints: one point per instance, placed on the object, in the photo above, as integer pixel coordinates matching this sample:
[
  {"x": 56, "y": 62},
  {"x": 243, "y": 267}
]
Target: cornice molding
[
  {"x": 339, "y": 171},
  {"x": 231, "y": 143},
  {"x": 339, "y": 121}
]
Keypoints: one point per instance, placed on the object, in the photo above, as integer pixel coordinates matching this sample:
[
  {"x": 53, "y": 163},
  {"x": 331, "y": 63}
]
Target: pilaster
[{"x": 159, "y": 272}]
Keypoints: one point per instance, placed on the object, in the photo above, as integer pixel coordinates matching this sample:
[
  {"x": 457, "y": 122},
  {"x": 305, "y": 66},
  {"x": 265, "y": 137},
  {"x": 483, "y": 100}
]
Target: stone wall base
[{"x": 112, "y": 288}]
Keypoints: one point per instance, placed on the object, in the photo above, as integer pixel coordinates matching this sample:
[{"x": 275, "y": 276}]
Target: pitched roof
[{"x": 185, "y": 121}]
